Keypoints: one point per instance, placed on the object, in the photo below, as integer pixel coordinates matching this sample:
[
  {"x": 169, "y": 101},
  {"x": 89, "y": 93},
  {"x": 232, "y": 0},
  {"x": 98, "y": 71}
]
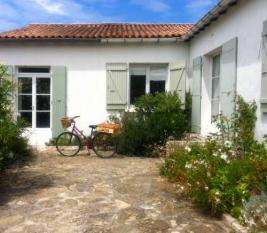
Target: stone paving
[{"x": 86, "y": 194}]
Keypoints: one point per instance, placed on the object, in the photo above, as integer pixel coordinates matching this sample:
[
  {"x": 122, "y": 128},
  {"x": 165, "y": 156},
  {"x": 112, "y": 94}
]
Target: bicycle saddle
[{"x": 93, "y": 126}]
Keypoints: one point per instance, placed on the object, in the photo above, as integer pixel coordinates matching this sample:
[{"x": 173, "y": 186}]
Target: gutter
[
  {"x": 89, "y": 40},
  {"x": 141, "y": 40},
  {"x": 48, "y": 40},
  {"x": 221, "y": 8}
]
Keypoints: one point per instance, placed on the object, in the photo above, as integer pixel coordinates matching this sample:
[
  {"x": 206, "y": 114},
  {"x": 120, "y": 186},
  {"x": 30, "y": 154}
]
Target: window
[
  {"x": 158, "y": 76},
  {"x": 34, "y": 99},
  {"x": 26, "y": 69},
  {"x": 137, "y": 82},
  {"x": 147, "y": 79},
  {"x": 215, "y": 94}
]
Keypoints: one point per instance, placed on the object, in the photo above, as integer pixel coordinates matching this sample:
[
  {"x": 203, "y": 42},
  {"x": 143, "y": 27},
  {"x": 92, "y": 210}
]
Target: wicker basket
[{"x": 65, "y": 122}]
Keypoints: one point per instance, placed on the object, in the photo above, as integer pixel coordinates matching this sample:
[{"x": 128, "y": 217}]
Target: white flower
[
  {"x": 188, "y": 165},
  {"x": 188, "y": 148},
  {"x": 228, "y": 144},
  {"x": 206, "y": 188},
  {"x": 224, "y": 156}
]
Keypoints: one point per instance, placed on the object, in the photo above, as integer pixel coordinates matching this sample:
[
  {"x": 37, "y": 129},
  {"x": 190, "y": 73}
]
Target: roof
[
  {"x": 184, "y": 31},
  {"x": 97, "y": 31},
  {"x": 214, "y": 14}
]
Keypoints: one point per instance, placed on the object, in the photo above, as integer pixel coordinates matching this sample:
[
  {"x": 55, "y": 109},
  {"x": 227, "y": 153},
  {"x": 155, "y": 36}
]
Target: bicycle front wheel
[
  {"x": 68, "y": 144},
  {"x": 104, "y": 145}
]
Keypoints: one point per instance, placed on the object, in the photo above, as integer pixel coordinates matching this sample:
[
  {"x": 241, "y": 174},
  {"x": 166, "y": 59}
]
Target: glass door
[
  {"x": 34, "y": 100},
  {"x": 43, "y": 102},
  {"x": 25, "y": 97}
]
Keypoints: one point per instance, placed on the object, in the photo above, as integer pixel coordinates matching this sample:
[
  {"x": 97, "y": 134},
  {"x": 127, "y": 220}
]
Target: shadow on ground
[{"x": 16, "y": 183}]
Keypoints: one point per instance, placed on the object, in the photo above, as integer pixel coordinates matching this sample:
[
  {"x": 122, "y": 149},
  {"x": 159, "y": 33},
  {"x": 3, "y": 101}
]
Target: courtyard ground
[{"x": 86, "y": 194}]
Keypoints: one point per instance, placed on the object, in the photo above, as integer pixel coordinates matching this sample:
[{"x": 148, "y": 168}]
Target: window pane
[
  {"x": 34, "y": 70},
  {"x": 138, "y": 70},
  {"x": 157, "y": 86},
  {"x": 25, "y": 85},
  {"x": 43, "y": 85},
  {"x": 27, "y": 116},
  {"x": 25, "y": 102},
  {"x": 158, "y": 73},
  {"x": 215, "y": 88},
  {"x": 43, "y": 119},
  {"x": 138, "y": 87},
  {"x": 216, "y": 66},
  {"x": 215, "y": 107},
  {"x": 43, "y": 102}
]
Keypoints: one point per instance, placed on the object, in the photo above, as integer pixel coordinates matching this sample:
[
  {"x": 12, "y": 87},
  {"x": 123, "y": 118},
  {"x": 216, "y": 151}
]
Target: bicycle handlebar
[{"x": 73, "y": 118}]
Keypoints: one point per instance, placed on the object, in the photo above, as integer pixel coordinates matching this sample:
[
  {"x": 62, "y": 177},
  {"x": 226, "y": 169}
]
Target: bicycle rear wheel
[
  {"x": 104, "y": 145},
  {"x": 68, "y": 144}
]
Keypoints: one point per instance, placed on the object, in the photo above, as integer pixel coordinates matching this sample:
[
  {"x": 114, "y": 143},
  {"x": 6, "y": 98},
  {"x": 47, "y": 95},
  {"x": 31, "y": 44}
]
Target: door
[{"x": 34, "y": 100}]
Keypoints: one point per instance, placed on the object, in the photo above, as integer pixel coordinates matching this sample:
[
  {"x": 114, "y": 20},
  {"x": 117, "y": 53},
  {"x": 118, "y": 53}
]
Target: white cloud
[
  {"x": 51, "y": 7},
  {"x": 153, "y": 5},
  {"x": 16, "y": 13}
]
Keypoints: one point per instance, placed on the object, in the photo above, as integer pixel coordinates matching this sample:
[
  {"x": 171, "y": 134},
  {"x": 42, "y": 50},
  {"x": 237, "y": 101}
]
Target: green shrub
[
  {"x": 156, "y": 117},
  {"x": 12, "y": 145},
  {"x": 239, "y": 129},
  {"x": 188, "y": 110},
  {"x": 222, "y": 173}
]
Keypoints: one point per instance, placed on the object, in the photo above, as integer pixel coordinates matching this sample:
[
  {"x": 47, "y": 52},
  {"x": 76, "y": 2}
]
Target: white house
[{"x": 94, "y": 69}]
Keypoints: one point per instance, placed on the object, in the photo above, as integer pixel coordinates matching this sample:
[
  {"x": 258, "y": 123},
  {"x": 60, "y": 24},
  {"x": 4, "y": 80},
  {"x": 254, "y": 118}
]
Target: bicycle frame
[{"x": 87, "y": 141}]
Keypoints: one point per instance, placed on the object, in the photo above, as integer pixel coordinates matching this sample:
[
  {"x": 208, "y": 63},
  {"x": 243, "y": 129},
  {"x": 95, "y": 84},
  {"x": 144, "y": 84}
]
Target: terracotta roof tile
[{"x": 98, "y": 30}]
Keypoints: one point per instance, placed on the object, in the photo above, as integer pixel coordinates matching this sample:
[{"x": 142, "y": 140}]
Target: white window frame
[
  {"x": 147, "y": 68},
  {"x": 34, "y": 76}
]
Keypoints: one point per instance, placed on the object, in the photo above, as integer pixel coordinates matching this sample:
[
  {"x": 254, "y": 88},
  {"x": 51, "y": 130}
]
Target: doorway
[{"x": 34, "y": 99}]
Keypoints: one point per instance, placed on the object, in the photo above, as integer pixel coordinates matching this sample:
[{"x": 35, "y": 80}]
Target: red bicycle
[{"x": 69, "y": 143}]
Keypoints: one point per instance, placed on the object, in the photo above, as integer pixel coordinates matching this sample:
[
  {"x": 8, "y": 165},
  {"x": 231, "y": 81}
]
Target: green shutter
[
  {"x": 178, "y": 79},
  {"x": 196, "y": 95},
  {"x": 117, "y": 74},
  {"x": 59, "y": 74},
  {"x": 228, "y": 77},
  {"x": 264, "y": 70},
  {"x": 264, "y": 32}
]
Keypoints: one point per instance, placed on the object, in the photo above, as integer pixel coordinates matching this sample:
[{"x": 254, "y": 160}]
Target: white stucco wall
[
  {"x": 244, "y": 21},
  {"x": 86, "y": 77}
]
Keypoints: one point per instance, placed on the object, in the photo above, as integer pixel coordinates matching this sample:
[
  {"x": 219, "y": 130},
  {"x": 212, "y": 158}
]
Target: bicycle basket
[
  {"x": 108, "y": 127},
  {"x": 65, "y": 122}
]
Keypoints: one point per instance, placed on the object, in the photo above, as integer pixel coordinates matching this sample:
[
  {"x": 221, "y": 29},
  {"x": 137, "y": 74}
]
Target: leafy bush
[
  {"x": 12, "y": 145},
  {"x": 156, "y": 117},
  {"x": 188, "y": 110},
  {"x": 239, "y": 129},
  {"x": 222, "y": 173}
]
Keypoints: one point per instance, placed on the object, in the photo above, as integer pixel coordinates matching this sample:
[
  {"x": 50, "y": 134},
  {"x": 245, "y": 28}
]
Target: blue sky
[{"x": 16, "y": 13}]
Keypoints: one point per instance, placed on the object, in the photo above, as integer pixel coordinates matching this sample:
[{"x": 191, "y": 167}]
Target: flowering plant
[
  {"x": 223, "y": 173},
  {"x": 255, "y": 213}
]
